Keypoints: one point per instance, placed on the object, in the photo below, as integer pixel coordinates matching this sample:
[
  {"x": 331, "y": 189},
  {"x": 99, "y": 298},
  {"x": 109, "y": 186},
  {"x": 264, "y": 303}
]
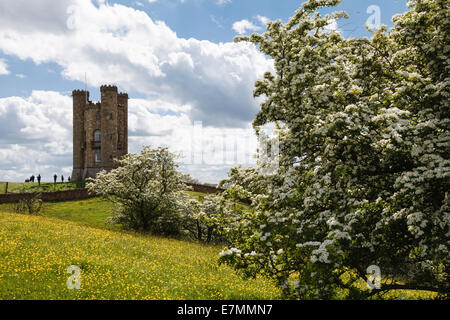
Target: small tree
[
  {"x": 147, "y": 189},
  {"x": 29, "y": 205},
  {"x": 205, "y": 220}
]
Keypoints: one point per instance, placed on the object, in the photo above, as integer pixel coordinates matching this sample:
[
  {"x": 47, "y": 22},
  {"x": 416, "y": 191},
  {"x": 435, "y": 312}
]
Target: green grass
[
  {"x": 196, "y": 195},
  {"x": 36, "y": 251},
  {"x": 18, "y": 187},
  {"x": 92, "y": 212}
]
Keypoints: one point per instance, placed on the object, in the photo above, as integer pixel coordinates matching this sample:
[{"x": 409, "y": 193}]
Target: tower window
[
  {"x": 110, "y": 137},
  {"x": 110, "y": 158},
  {"x": 97, "y": 135},
  {"x": 110, "y": 116},
  {"x": 98, "y": 157},
  {"x": 97, "y": 117}
]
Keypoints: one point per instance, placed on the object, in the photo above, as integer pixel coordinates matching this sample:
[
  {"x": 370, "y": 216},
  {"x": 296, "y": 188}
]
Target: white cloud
[
  {"x": 36, "y": 137},
  {"x": 123, "y": 45},
  {"x": 241, "y": 27},
  {"x": 263, "y": 20},
  {"x": 185, "y": 80},
  {"x": 3, "y": 67}
]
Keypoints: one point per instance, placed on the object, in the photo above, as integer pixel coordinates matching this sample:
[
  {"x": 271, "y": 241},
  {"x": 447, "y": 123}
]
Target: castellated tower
[{"x": 100, "y": 131}]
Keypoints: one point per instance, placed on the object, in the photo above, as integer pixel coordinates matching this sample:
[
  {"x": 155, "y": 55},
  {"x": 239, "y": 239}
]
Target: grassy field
[
  {"x": 90, "y": 212},
  {"x": 17, "y": 187},
  {"x": 36, "y": 251}
]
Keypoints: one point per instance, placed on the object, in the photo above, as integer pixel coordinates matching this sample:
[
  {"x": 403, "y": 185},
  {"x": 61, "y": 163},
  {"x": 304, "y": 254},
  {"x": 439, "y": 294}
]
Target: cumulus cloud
[
  {"x": 243, "y": 26},
  {"x": 263, "y": 20},
  {"x": 33, "y": 16},
  {"x": 36, "y": 137},
  {"x": 123, "y": 45},
  {"x": 182, "y": 80}
]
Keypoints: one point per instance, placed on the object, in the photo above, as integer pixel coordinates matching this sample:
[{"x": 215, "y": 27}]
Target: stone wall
[
  {"x": 204, "y": 188},
  {"x": 66, "y": 195},
  {"x": 80, "y": 194}
]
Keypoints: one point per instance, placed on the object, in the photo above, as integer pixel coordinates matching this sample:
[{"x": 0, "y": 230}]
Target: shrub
[
  {"x": 147, "y": 189},
  {"x": 29, "y": 205}
]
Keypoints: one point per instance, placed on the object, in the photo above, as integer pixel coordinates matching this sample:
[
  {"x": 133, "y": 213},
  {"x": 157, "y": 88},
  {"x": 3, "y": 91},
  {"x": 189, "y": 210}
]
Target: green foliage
[
  {"x": 204, "y": 220},
  {"x": 30, "y": 205},
  {"x": 364, "y": 163},
  {"x": 147, "y": 190}
]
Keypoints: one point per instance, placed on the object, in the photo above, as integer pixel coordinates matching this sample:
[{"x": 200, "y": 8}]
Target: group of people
[
  {"x": 55, "y": 177},
  {"x": 33, "y": 177},
  {"x": 38, "y": 178}
]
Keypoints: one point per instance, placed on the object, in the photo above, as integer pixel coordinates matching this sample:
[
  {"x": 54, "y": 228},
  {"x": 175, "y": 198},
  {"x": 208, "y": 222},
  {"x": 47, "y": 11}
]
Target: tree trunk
[
  {"x": 210, "y": 233},
  {"x": 199, "y": 231}
]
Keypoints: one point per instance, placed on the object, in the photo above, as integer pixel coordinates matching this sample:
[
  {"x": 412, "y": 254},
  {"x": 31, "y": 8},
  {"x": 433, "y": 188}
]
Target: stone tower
[{"x": 100, "y": 131}]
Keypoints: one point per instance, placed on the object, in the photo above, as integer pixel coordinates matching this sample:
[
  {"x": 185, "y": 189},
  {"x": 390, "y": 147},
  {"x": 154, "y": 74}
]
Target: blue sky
[{"x": 175, "y": 58}]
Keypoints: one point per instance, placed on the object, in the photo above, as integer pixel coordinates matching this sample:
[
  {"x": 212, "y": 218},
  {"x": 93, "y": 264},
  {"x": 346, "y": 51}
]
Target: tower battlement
[
  {"x": 80, "y": 93},
  {"x": 108, "y": 88},
  {"x": 100, "y": 131}
]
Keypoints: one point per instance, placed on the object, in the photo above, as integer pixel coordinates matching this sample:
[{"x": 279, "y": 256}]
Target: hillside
[
  {"x": 17, "y": 187},
  {"x": 35, "y": 253}
]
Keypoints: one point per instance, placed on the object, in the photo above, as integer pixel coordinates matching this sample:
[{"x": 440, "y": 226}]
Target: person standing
[
  {"x": 62, "y": 178},
  {"x": 39, "y": 179},
  {"x": 54, "y": 178}
]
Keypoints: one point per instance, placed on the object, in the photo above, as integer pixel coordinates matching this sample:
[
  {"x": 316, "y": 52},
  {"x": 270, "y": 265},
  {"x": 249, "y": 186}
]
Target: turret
[
  {"x": 109, "y": 125},
  {"x": 122, "y": 99},
  {"x": 80, "y": 97},
  {"x": 100, "y": 131}
]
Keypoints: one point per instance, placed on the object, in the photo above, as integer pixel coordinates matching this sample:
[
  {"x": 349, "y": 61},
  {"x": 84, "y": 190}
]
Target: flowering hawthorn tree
[
  {"x": 364, "y": 157},
  {"x": 204, "y": 220},
  {"x": 147, "y": 189}
]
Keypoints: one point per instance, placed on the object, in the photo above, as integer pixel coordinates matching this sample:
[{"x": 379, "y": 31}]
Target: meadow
[
  {"x": 19, "y": 187},
  {"x": 35, "y": 252}
]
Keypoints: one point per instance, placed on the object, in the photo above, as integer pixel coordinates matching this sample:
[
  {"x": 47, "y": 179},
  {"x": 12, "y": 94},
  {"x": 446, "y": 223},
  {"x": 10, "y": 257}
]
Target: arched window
[
  {"x": 97, "y": 157},
  {"x": 97, "y": 136}
]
